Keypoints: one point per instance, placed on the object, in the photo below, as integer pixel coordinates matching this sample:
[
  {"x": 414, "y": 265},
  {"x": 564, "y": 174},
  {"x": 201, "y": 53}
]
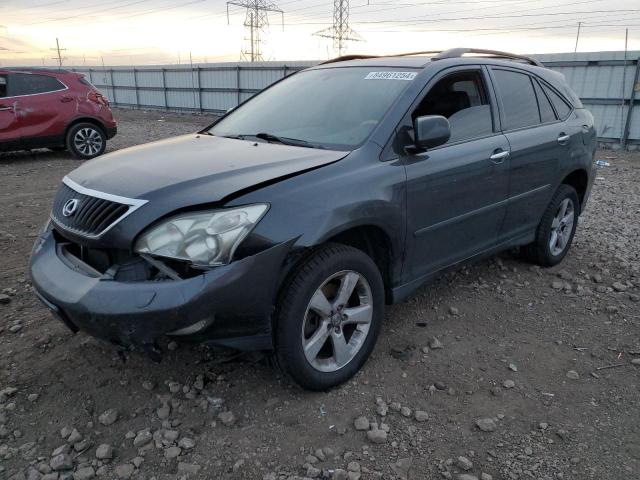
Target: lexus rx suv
[
  {"x": 288, "y": 224},
  {"x": 56, "y": 109}
]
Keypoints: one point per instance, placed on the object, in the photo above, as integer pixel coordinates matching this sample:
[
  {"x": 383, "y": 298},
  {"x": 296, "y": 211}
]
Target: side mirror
[{"x": 431, "y": 131}]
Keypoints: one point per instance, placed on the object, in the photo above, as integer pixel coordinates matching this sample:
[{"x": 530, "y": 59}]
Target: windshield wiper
[{"x": 269, "y": 137}]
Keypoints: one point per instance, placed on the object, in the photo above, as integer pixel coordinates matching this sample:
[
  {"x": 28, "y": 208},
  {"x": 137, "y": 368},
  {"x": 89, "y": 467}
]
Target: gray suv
[{"x": 289, "y": 223}]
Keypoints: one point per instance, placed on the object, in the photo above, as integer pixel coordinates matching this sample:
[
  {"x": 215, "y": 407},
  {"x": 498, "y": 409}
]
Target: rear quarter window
[
  {"x": 31, "y": 84},
  {"x": 520, "y": 107},
  {"x": 546, "y": 110},
  {"x": 563, "y": 109}
]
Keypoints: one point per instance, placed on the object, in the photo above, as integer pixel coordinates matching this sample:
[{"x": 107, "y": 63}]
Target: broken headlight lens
[{"x": 202, "y": 238}]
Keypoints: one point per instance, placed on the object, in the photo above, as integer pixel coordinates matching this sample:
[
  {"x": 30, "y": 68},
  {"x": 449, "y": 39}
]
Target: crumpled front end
[{"x": 133, "y": 301}]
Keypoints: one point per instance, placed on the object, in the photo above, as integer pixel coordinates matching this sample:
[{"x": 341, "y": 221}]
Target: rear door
[
  {"x": 538, "y": 141},
  {"x": 41, "y": 105},
  {"x": 455, "y": 192}
]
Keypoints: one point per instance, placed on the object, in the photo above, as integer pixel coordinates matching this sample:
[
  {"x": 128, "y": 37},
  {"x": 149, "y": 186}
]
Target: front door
[
  {"x": 9, "y": 135},
  {"x": 456, "y": 193}
]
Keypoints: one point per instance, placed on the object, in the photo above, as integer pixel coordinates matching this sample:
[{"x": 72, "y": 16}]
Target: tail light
[{"x": 98, "y": 98}]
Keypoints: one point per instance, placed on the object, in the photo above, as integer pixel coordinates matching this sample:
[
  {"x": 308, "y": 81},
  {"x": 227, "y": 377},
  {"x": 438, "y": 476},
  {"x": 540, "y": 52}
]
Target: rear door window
[
  {"x": 546, "y": 110},
  {"x": 562, "y": 108},
  {"x": 31, "y": 84},
  {"x": 520, "y": 107}
]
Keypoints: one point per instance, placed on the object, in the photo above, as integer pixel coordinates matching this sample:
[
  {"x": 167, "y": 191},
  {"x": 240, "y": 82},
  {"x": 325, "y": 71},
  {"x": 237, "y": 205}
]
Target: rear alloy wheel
[
  {"x": 329, "y": 317},
  {"x": 556, "y": 229},
  {"x": 86, "y": 140}
]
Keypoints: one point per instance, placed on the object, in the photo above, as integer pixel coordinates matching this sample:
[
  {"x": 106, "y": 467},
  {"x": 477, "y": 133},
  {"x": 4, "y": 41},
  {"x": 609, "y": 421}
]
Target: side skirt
[{"x": 401, "y": 292}]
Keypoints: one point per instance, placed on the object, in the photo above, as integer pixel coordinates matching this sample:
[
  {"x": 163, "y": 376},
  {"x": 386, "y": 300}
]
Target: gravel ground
[{"x": 501, "y": 370}]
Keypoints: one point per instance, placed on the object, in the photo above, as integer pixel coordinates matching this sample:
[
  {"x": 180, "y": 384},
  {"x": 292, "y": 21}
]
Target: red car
[{"x": 56, "y": 109}]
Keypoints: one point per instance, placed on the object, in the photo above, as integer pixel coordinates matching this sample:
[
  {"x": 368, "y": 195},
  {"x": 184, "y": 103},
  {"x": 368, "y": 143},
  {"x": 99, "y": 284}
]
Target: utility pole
[
  {"x": 256, "y": 19},
  {"x": 622, "y": 93},
  {"x": 340, "y": 31},
  {"x": 58, "y": 50},
  {"x": 577, "y": 37}
]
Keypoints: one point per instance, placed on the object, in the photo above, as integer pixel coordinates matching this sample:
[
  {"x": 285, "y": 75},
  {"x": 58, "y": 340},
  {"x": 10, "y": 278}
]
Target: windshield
[{"x": 329, "y": 108}]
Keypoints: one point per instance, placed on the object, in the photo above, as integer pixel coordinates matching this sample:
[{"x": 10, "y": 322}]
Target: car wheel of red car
[{"x": 86, "y": 140}]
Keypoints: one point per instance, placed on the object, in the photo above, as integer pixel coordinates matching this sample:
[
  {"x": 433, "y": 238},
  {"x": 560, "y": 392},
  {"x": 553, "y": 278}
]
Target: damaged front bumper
[{"x": 228, "y": 306}]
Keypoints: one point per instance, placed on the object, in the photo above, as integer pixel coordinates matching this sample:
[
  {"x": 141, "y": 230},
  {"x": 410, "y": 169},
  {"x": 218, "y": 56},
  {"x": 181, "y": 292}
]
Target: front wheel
[
  {"x": 556, "y": 229},
  {"x": 329, "y": 317},
  {"x": 85, "y": 141}
]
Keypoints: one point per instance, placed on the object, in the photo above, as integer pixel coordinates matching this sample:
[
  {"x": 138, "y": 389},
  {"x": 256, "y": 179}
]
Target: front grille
[{"x": 94, "y": 212}]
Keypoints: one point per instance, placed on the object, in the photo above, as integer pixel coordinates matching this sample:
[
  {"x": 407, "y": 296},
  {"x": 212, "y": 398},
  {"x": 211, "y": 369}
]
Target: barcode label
[{"x": 390, "y": 76}]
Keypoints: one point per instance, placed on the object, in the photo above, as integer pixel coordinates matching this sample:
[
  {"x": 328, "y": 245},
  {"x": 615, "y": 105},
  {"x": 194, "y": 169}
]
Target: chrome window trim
[{"x": 133, "y": 203}]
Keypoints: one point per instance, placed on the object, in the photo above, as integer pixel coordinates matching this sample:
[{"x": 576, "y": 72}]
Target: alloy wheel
[
  {"x": 88, "y": 141},
  {"x": 561, "y": 227},
  {"x": 337, "y": 321}
]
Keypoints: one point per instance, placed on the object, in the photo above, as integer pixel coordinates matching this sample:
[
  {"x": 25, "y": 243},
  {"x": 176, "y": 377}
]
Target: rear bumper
[
  {"x": 111, "y": 131},
  {"x": 234, "y": 301},
  {"x": 587, "y": 193}
]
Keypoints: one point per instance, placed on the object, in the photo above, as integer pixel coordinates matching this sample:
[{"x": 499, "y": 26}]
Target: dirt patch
[{"x": 542, "y": 357}]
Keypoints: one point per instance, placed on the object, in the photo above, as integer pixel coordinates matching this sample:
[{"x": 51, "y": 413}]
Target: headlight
[{"x": 202, "y": 238}]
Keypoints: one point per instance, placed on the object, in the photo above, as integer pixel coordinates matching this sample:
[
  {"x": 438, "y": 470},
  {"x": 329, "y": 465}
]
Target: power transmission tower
[
  {"x": 340, "y": 31},
  {"x": 59, "y": 51},
  {"x": 256, "y": 19}
]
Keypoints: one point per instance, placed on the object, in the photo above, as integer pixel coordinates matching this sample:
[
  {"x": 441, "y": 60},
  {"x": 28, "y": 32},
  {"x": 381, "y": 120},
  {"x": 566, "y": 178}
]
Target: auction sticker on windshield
[{"x": 390, "y": 76}]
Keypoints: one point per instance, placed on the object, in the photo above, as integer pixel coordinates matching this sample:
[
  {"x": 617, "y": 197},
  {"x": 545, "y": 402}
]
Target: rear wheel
[
  {"x": 556, "y": 229},
  {"x": 86, "y": 140},
  {"x": 329, "y": 317}
]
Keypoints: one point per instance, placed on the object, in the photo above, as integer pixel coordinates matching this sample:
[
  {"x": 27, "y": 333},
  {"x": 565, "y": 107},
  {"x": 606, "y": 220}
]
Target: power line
[
  {"x": 256, "y": 19},
  {"x": 437, "y": 16},
  {"x": 340, "y": 31},
  {"x": 487, "y": 17},
  {"x": 71, "y": 17}
]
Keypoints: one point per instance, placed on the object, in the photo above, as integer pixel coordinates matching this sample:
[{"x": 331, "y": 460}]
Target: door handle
[
  {"x": 4, "y": 107},
  {"x": 498, "y": 157},
  {"x": 563, "y": 138}
]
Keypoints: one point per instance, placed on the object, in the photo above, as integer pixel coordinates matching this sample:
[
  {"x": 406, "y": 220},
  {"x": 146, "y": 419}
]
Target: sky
[{"x": 147, "y": 32}]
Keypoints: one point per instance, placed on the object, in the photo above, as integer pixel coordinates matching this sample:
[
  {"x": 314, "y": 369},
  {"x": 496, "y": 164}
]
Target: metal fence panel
[
  {"x": 219, "y": 78},
  {"x": 151, "y": 98},
  {"x": 219, "y": 101},
  {"x": 123, "y": 78},
  {"x": 149, "y": 78}
]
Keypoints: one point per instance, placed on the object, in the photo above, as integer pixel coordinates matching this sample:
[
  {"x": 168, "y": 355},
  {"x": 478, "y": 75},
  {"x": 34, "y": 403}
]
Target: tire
[
  {"x": 86, "y": 140},
  {"x": 540, "y": 251},
  {"x": 299, "y": 321}
]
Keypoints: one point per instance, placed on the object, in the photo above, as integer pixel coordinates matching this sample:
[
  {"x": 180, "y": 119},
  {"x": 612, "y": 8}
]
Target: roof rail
[
  {"x": 346, "y": 58},
  {"x": 459, "y": 52},
  {"x": 441, "y": 55}
]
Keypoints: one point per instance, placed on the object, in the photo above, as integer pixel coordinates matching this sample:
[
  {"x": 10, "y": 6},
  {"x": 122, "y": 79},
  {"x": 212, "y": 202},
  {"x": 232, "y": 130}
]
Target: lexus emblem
[{"x": 70, "y": 207}]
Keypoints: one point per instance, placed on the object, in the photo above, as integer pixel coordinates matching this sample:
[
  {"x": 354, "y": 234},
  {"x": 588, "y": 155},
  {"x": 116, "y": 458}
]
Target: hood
[{"x": 198, "y": 168}]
